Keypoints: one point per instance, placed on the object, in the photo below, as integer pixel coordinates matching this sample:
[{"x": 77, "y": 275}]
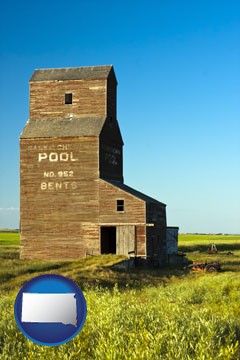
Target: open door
[{"x": 108, "y": 239}]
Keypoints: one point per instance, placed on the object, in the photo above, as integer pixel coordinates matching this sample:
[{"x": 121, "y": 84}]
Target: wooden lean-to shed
[{"x": 73, "y": 198}]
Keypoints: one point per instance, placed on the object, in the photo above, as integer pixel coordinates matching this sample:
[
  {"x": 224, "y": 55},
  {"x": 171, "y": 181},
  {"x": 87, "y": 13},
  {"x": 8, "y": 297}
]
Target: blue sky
[{"x": 178, "y": 70}]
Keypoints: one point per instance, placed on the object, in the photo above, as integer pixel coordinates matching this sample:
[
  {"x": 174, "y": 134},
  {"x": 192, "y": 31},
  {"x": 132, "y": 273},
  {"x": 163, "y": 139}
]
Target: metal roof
[
  {"x": 76, "y": 73},
  {"x": 48, "y": 128}
]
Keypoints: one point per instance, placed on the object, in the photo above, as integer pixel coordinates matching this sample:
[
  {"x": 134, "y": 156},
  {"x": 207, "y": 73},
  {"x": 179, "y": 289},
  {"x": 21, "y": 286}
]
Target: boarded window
[
  {"x": 68, "y": 98},
  {"x": 120, "y": 205}
]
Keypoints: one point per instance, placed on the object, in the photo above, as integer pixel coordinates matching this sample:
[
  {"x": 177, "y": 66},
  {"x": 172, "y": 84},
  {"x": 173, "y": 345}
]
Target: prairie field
[{"x": 167, "y": 313}]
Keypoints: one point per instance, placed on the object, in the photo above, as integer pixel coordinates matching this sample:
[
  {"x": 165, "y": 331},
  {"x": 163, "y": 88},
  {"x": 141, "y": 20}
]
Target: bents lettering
[{"x": 61, "y": 185}]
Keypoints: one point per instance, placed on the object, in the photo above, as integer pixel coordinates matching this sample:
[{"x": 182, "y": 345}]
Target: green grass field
[
  {"x": 142, "y": 313},
  {"x": 196, "y": 247}
]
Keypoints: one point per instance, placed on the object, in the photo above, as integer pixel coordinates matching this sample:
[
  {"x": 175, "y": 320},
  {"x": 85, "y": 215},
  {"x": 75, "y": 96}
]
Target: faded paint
[
  {"x": 71, "y": 173},
  {"x": 172, "y": 240}
]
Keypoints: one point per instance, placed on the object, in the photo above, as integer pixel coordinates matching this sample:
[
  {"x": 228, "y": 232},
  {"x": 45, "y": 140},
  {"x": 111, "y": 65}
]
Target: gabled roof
[
  {"x": 133, "y": 192},
  {"x": 76, "y": 73},
  {"x": 50, "y": 128}
]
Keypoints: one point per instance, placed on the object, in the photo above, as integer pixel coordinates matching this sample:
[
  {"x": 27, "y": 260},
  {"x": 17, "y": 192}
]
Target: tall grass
[
  {"x": 148, "y": 314},
  {"x": 185, "y": 320}
]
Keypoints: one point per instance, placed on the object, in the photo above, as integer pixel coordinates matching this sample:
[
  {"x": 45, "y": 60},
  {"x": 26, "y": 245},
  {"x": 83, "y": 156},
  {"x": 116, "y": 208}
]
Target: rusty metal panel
[{"x": 125, "y": 239}]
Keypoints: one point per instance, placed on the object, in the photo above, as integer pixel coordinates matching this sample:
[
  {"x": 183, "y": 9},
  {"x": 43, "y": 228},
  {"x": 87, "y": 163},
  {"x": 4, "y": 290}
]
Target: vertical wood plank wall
[{"x": 125, "y": 239}]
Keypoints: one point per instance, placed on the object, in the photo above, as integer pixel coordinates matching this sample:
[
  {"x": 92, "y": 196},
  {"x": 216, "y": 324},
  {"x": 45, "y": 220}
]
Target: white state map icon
[{"x": 49, "y": 308}]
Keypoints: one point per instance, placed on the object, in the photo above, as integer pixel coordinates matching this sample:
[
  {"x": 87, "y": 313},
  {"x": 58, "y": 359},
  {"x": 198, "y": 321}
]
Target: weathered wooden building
[{"x": 73, "y": 198}]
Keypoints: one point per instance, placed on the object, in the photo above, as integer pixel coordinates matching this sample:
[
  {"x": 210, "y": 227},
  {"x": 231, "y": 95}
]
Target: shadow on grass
[
  {"x": 7, "y": 276},
  {"x": 9, "y": 253},
  {"x": 98, "y": 271},
  {"x": 231, "y": 266},
  {"x": 134, "y": 278},
  {"x": 41, "y": 267}
]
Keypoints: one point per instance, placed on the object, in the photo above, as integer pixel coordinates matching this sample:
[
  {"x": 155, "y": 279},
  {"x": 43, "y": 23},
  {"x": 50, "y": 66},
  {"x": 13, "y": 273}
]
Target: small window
[
  {"x": 68, "y": 98},
  {"x": 120, "y": 205}
]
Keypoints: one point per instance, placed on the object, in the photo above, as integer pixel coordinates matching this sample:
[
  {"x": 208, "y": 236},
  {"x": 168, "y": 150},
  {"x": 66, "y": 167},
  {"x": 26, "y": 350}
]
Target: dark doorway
[{"x": 108, "y": 240}]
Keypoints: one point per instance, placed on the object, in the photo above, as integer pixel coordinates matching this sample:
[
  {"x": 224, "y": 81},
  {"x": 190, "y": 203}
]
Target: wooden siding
[
  {"x": 156, "y": 213},
  {"x": 125, "y": 239},
  {"x": 47, "y": 98},
  {"x": 172, "y": 240},
  {"x": 110, "y": 154},
  {"x": 59, "y": 193},
  {"x": 90, "y": 232},
  {"x": 141, "y": 240},
  {"x": 66, "y": 152},
  {"x": 112, "y": 95},
  {"x": 156, "y": 242},
  {"x": 156, "y": 235},
  {"x": 134, "y": 211}
]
